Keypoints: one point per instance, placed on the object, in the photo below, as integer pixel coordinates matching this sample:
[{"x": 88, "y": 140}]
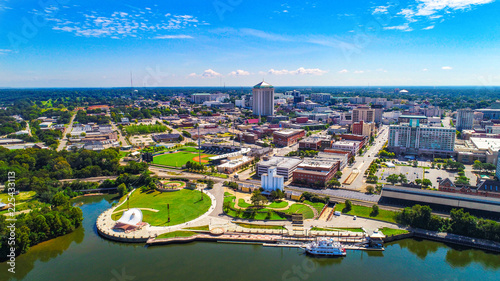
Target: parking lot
[{"x": 413, "y": 173}]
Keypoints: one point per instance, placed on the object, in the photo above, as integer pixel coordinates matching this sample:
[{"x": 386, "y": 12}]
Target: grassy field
[
  {"x": 391, "y": 231},
  {"x": 277, "y": 205},
  {"x": 179, "y": 158},
  {"x": 203, "y": 227},
  {"x": 338, "y": 229},
  {"x": 260, "y": 226},
  {"x": 243, "y": 204},
  {"x": 24, "y": 201},
  {"x": 300, "y": 209},
  {"x": 247, "y": 215},
  {"x": 318, "y": 205},
  {"x": 365, "y": 212},
  {"x": 176, "y": 234},
  {"x": 185, "y": 205}
]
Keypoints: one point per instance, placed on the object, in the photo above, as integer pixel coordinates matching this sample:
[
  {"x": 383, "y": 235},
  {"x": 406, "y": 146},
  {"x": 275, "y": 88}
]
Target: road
[
  {"x": 121, "y": 139},
  {"x": 363, "y": 162},
  {"x": 64, "y": 141}
]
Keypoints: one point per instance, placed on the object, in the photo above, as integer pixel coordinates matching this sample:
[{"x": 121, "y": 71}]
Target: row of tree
[{"x": 460, "y": 222}]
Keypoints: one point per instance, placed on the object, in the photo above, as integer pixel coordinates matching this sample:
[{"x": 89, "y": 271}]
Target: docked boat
[{"x": 325, "y": 247}]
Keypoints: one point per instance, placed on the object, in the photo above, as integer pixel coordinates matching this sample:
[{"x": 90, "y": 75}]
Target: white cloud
[
  {"x": 447, "y": 68},
  {"x": 425, "y": 11},
  {"x": 359, "y": 72},
  {"x": 5, "y": 51},
  {"x": 299, "y": 71},
  {"x": 381, "y": 70},
  {"x": 403, "y": 27},
  {"x": 174, "y": 37},
  {"x": 344, "y": 71},
  {"x": 139, "y": 23},
  {"x": 209, "y": 73},
  {"x": 425, "y": 69},
  {"x": 239, "y": 72}
]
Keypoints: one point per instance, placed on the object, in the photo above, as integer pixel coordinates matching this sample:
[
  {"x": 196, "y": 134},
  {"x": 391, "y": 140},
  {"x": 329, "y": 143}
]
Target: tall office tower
[
  {"x": 465, "y": 119},
  {"x": 363, "y": 113},
  {"x": 263, "y": 99}
]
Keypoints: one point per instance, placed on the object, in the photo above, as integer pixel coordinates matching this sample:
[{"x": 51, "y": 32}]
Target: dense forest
[
  {"x": 40, "y": 170},
  {"x": 39, "y": 225}
]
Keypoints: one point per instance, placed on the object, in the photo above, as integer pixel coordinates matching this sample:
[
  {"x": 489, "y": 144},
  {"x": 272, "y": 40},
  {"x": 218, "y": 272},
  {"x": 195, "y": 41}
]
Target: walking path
[{"x": 105, "y": 224}]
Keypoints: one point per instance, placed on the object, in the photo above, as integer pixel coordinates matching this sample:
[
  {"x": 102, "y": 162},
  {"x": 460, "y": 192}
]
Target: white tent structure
[{"x": 130, "y": 220}]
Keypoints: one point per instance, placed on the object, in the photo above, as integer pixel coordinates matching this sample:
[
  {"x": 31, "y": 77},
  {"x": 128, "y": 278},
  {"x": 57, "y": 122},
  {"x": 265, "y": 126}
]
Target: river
[{"x": 84, "y": 255}]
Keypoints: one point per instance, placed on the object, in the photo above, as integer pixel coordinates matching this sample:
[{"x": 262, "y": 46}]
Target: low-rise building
[
  {"x": 315, "y": 172},
  {"x": 318, "y": 143},
  {"x": 363, "y": 128},
  {"x": 234, "y": 164},
  {"x": 166, "y": 137},
  {"x": 284, "y": 166},
  {"x": 351, "y": 146},
  {"x": 287, "y": 137}
]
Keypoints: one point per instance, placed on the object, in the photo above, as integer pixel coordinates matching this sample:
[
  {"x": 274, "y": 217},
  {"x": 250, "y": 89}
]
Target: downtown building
[
  {"x": 315, "y": 172},
  {"x": 363, "y": 113},
  {"x": 287, "y": 137},
  {"x": 465, "y": 119},
  {"x": 415, "y": 139},
  {"x": 263, "y": 99}
]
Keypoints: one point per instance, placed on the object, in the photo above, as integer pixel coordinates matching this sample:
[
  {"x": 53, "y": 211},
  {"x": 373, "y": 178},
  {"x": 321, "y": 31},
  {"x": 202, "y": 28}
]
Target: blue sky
[{"x": 74, "y": 43}]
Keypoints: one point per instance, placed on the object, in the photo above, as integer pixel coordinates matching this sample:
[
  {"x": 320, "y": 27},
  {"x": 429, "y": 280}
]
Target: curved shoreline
[{"x": 104, "y": 225}]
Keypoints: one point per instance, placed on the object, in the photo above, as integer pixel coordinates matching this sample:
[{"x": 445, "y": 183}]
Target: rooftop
[
  {"x": 282, "y": 162},
  {"x": 263, "y": 85}
]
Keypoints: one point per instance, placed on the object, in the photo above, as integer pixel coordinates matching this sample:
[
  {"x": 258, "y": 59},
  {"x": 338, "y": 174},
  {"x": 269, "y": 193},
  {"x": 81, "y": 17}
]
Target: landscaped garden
[
  {"x": 183, "y": 206},
  {"x": 248, "y": 211}
]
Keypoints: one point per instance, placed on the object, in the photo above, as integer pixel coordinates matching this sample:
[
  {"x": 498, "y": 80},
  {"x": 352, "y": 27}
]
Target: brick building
[
  {"x": 287, "y": 137},
  {"x": 315, "y": 172}
]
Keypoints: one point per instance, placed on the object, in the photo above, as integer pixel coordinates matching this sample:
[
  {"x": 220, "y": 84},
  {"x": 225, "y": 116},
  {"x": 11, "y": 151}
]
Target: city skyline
[{"x": 238, "y": 43}]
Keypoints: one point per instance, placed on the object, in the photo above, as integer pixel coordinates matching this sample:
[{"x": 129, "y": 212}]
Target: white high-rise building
[
  {"x": 263, "y": 99},
  {"x": 465, "y": 119},
  {"x": 271, "y": 181}
]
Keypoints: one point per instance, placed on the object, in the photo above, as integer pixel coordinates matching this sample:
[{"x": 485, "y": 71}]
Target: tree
[
  {"x": 375, "y": 211},
  {"x": 348, "y": 206},
  {"x": 333, "y": 183},
  {"x": 338, "y": 174},
  {"x": 122, "y": 189},
  {"x": 60, "y": 200},
  {"x": 393, "y": 178},
  {"x": 370, "y": 189},
  {"x": 477, "y": 165},
  {"x": 426, "y": 183},
  {"x": 418, "y": 181},
  {"x": 402, "y": 178},
  {"x": 257, "y": 198}
]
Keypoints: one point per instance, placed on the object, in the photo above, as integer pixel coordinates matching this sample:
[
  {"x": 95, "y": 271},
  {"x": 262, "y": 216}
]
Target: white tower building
[
  {"x": 263, "y": 99},
  {"x": 271, "y": 181}
]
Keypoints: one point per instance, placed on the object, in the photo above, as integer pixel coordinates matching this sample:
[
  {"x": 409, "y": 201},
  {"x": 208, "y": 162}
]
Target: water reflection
[
  {"x": 43, "y": 252},
  {"x": 463, "y": 258},
  {"x": 421, "y": 248}
]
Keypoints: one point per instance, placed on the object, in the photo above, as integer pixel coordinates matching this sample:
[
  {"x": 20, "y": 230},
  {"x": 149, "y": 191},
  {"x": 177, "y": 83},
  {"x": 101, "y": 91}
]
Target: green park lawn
[
  {"x": 179, "y": 158},
  {"x": 362, "y": 211},
  {"x": 176, "y": 234},
  {"x": 277, "y": 205},
  {"x": 318, "y": 205},
  {"x": 391, "y": 231},
  {"x": 203, "y": 227},
  {"x": 243, "y": 204},
  {"x": 298, "y": 208},
  {"x": 260, "y": 226},
  {"x": 185, "y": 205}
]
